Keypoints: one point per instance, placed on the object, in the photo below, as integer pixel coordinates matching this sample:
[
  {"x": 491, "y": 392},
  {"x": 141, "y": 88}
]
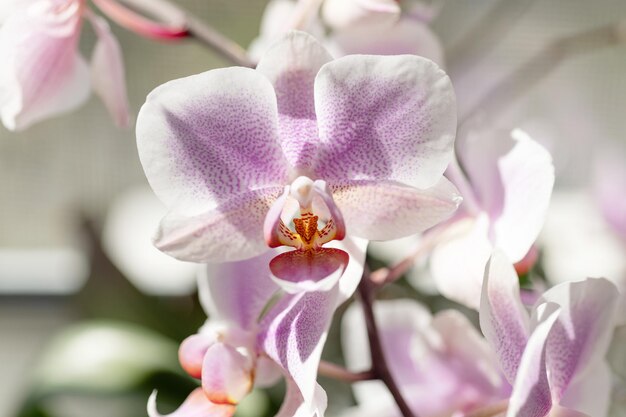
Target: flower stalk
[
  {"x": 172, "y": 23},
  {"x": 379, "y": 362},
  {"x": 340, "y": 373}
]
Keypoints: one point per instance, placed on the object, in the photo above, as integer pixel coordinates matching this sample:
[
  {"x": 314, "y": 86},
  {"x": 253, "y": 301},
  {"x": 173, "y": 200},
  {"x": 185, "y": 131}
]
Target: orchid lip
[
  {"x": 314, "y": 270},
  {"x": 310, "y": 267}
]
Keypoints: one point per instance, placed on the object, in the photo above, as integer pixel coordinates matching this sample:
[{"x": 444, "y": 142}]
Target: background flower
[{"x": 44, "y": 74}]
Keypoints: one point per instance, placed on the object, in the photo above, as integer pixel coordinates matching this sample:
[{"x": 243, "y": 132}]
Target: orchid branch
[
  {"x": 384, "y": 275},
  {"x": 211, "y": 38},
  {"x": 495, "y": 101},
  {"x": 340, "y": 373},
  {"x": 171, "y": 23},
  {"x": 379, "y": 362}
]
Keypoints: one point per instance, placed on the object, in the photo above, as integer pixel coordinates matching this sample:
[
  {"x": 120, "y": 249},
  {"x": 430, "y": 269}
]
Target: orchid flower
[
  {"x": 576, "y": 242},
  {"x": 43, "y": 74},
  {"x": 441, "y": 364},
  {"x": 511, "y": 179},
  {"x": 383, "y": 27},
  {"x": 296, "y": 153},
  {"x": 554, "y": 356},
  {"x": 278, "y": 19},
  {"x": 254, "y": 334}
]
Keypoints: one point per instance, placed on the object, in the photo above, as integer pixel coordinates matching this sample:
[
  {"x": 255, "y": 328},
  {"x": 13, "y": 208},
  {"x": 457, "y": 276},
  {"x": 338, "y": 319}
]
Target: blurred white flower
[
  {"x": 578, "y": 243},
  {"x": 127, "y": 240}
]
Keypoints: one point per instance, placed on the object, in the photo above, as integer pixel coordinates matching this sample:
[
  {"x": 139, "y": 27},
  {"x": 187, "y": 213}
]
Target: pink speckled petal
[
  {"x": 294, "y": 406},
  {"x": 384, "y": 210},
  {"x": 208, "y": 137},
  {"x": 384, "y": 118},
  {"x": 291, "y": 65},
  {"x": 531, "y": 390},
  {"x": 405, "y": 36},
  {"x": 312, "y": 270},
  {"x": 294, "y": 332},
  {"x": 232, "y": 231},
  {"x": 237, "y": 292},
  {"x": 513, "y": 176},
  {"x": 581, "y": 335},
  {"x": 107, "y": 72},
  {"x": 191, "y": 353},
  {"x": 503, "y": 318},
  {"x": 196, "y": 405},
  {"x": 227, "y": 375},
  {"x": 591, "y": 392},
  {"x": 41, "y": 75}
]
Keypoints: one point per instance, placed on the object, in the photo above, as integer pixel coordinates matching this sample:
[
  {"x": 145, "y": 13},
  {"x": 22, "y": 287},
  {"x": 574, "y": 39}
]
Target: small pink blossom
[
  {"x": 255, "y": 335},
  {"x": 43, "y": 74}
]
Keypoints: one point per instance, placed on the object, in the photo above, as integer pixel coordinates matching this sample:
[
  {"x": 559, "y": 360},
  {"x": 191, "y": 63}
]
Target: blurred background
[{"x": 91, "y": 315}]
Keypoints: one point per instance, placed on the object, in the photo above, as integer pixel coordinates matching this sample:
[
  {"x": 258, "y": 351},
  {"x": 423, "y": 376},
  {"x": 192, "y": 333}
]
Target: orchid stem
[
  {"x": 168, "y": 22},
  {"x": 384, "y": 276},
  {"x": 211, "y": 38},
  {"x": 340, "y": 373},
  {"x": 504, "y": 93},
  {"x": 379, "y": 362}
]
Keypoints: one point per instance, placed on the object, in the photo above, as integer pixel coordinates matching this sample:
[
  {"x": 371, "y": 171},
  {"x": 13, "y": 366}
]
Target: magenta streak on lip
[{"x": 139, "y": 24}]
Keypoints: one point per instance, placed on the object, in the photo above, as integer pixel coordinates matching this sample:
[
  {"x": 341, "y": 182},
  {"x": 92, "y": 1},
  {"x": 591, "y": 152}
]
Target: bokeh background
[{"x": 84, "y": 328}]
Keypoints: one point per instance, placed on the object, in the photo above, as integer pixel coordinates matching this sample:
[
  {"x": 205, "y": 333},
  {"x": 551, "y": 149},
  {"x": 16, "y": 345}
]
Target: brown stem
[
  {"x": 219, "y": 43},
  {"x": 340, "y": 373},
  {"x": 379, "y": 362},
  {"x": 177, "y": 23},
  {"x": 504, "y": 93},
  {"x": 384, "y": 275},
  {"x": 491, "y": 410}
]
